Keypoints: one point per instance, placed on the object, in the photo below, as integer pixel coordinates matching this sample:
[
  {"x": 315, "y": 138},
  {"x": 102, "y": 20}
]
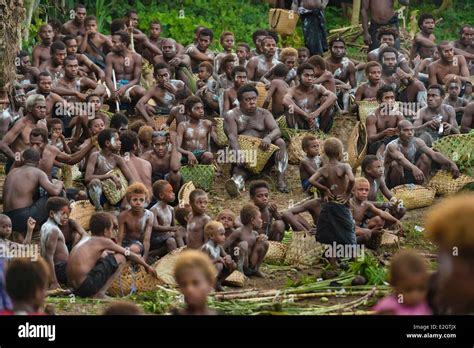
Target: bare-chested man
[
  {"x": 26, "y": 74},
  {"x": 20, "y": 192},
  {"x": 41, "y": 52},
  {"x": 467, "y": 123},
  {"x": 436, "y": 119},
  {"x": 382, "y": 124},
  {"x": 86, "y": 66},
  {"x": 424, "y": 43},
  {"x": 200, "y": 52},
  {"x": 248, "y": 119},
  {"x": 165, "y": 159},
  {"x": 310, "y": 106},
  {"x": 408, "y": 159},
  {"x": 92, "y": 43},
  {"x": 465, "y": 46},
  {"x": 381, "y": 14},
  {"x": 448, "y": 66},
  {"x": 127, "y": 66},
  {"x": 141, "y": 169},
  {"x": 54, "y": 65},
  {"x": 163, "y": 94},
  {"x": 340, "y": 66},
  {"x": 453, "y": 89},
  {"x": 100, "y": 165},
  {"x": 75, "y": 26},
  {"x": 193, "y": 136},
  {"x": 368, "y": 90},
  {"x": 260, "y": 65},
  {"x": 44, "y": 88},
  {"x": 239, "y": 77}
]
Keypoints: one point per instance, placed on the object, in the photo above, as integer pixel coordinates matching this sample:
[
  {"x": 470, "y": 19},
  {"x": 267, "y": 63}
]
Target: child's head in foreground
[
  {"x": 361, "y": 189},
  {"x": 215, "y": 231},
  {"x": 101, "y": 225},
  {"x": 250, "y": 215},
  {"x": 163, "y": 191},
  {"x": 5, "y": 226},
  {"x": 372, "y": 167},
  {"x": 333, "y": 149},
  {"x": 58, "y": 210},
  {"x": 198, "y": 201},
  {"x": 227, "y": 218},
  {"x": 137, "y": 196},
  {"x": 310, "y": 145},
  {"x": 259, "y": 192},
  {"x": 195, "y": 275},
  {"x": 26, "y": 282},
  {"x": 409, "y": 278}
]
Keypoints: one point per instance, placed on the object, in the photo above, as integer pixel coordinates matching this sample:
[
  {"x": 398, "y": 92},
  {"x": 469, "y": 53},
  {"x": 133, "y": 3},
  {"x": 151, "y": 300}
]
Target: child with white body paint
[{"x": 193, "y": 136}]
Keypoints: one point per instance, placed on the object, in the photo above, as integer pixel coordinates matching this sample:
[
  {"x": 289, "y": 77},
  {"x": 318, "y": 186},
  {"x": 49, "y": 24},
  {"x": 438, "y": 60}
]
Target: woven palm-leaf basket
[
  {"x": 383, "y": 238},
  {"x": 132, "y": 280},
  {"x": 164, "y": 267},
  {"x": 222, "y": 139},
  {"x": 414, "y": 196},
  {"x": 276, "y": 252},
  {"x": 282, "y": 21},
  {"x": 303, "y": 250},
  {"x": 146, "y": 79},
  {"x": 111, "y": 192},
  {"x": 184, "y": 192},
  {"x": 283, "y": 125},
  {"x": 296, "y": 153},
  {"x": 251, "y": 143},
  {"x": 236, "y": 278},
  {"x": 457, "y": 147},
  {"x": 445, "y": 185},
  {"x": 357, "y": 145},
  {"x": 366, "y": 108},
  {"x": 160, "y": 122},
  {"x": 81, "y": 211},
  {"x": 262, "y": 94},
  {"x": 202, "y": 175}
]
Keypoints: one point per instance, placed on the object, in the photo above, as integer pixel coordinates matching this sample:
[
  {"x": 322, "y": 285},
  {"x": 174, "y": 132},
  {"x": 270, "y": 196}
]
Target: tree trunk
[
  {"x": 355, "y": 12},
  {"x": 444, "y": 7},
  {"x": 13, "y": 14}
]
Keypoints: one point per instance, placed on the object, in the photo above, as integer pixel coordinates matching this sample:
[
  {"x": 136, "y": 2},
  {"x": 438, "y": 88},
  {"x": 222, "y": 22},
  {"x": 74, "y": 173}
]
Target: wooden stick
[{"x": 117, "y": 104}]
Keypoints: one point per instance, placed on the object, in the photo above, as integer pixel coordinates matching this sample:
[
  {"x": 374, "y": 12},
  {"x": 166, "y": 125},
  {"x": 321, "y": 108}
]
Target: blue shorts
[{"x": 306, "y": 185}]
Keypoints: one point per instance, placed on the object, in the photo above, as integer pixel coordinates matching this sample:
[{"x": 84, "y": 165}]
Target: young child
[
  {"x": 181, "y": 214},
  {"x": 243, "y": 51},
  {"x": 165, "y": 231},
  {"x": 335, "y": 181},
  {"x": 119, "y": 122},
  {"x": 193, "y": 136},
  {"x": 178, "y": 112},
  {"x": 323, "y": 75},
  {"x": 312, "y": 162},
  {"x": 205, "y": 76},
  {"x": 227, "y": 218},
  {"x": 6, "y": 232},
  {"x": 195, "y": 275},
  {"x": 56, "y": 137},
  {"x": 247, "y": 243},
  {"x": 215, "y": 233},
  {"x": 89, "y": 272},
  {"x": 136, "y": 125},
  {"x": 198, "y": 219},
  {"x": 26, "y": 283},
  {"x": 372, "y": 170},
  {"x": 52, "y": 241},
  {"x": 409, "y": 279},
  {"x": 136, "y": 223},
  {"x": 467, "y": 92},
  {"x": 368, "y": 90},
  {"x": 277, "y": 90},
  {"x": 303, "y": 55},
  {"x": 273, "y": 226},
  {"x": 145, "y": 136},
  {"x": 227, "y": 41},
  {"x": 368, "y": 219},
  {"x": 453, "y": 86}
]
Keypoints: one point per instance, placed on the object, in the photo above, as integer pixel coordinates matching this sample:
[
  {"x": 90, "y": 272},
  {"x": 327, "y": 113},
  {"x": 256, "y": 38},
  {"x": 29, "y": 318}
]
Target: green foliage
[{"x": 370, "y": 268}]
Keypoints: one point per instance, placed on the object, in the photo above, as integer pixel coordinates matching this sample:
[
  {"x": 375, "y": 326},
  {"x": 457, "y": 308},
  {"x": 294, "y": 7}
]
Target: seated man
[
  {"x": 436, "y": 119},
  {"x": 25, "y": 73},
  {"x": 388, "y": 36},
  {"x": 453, "y": 87},
  {"x": 258, "y": 66},
  {"x": 408, "y": 159},
  {"x": 424, "y": 43},
  {"x": 239, "y": 77},
  {"x": 41, "y": 52},
  {"x": 193, "y": 136},
  {"x": 310, "y": 106},
  {"x": 75, "y": 26},
  {"x": 20, "y": 192},
  {"x": 54, "y": 65},
  {"x": 200, "y": 52},
  {"x": 53, "y": 100},
  {"x": 163, "y": 94},
  {"x": 248, "y": 119},
  {"x": 89, "y": 272},
  {"x": 92, "y": 43},
  {"x": 126, "y": 66},
  {"x": 368, "y": 90},
  {"x": 339, "y": 65},
  {"x": 165, "y": 159},
  {"x": 449, "y": 65},
  {"x": 86, "y": 66},
  {"x": 465, "y": 46},
  {"x": 467, "y": 123},
  {"x": 382, "y": 124}
]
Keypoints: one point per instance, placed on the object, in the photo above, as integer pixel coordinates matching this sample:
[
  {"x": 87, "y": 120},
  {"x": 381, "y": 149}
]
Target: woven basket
[
  {"x": 222, "y": 139},
  {"x": 458, "y": 147},
  {"x": 414, "y": 196},
  {"x": 384, "y": 238},
  {"x": 130, "y": 281},
  {"x": 111, "y": 192},
  {"x": 262, "y": 94},
  {"x": 2, "y": 182},
  {"x": 283, "y": 125},
  {"x": 303, "y": 250},
  {"x": 282, "y": 21},
  {"x": 81, "y": 211},
  {"x": 184, "y": 192},
  {"x": 445, "y": 185},
  {"x": 251, "y": 143},
  {"x": 160, "y": 122},
  {"x": 276, "y": 252},
  {"x": 296, "y": 153},
  {"x": 357, "y": 145},
  {"x": 164, "y": 267},
  {"x": 366, "y": 108},
  {"x": 201, "y": 175},
  {"x": 236, "y": 278}
]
